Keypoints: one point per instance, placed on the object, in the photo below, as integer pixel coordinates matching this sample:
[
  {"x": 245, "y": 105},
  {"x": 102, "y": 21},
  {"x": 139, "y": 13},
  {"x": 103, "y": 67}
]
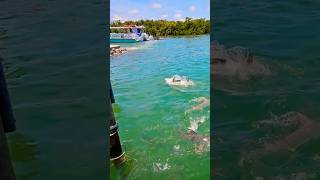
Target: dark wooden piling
[
  {"x": 6, "y": 169},
  {"x": 116, "y": 151},
  {"x": 7, "y": 124}
]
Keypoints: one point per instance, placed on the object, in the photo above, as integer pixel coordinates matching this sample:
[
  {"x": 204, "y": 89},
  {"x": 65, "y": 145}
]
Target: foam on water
[
  {"x": 161, "y": 166},
  {"x": 132, "y": 48},
  {"x": 176, "y": 147},
  {"x": 177, "y": 80},
  {"x": 194, "y": 123},
  {"x": 139, "y": 46}
]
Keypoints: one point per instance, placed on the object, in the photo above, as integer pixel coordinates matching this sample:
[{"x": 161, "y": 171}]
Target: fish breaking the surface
[
  {"x": 195, "y": 123},
  {"x": 235, "y": 62},
  {"x": 203, "y": 102},
  {"x": 202, "y": 142},
  {"x": 177, "y": 80},
  {"x": 305, "y": 129}
]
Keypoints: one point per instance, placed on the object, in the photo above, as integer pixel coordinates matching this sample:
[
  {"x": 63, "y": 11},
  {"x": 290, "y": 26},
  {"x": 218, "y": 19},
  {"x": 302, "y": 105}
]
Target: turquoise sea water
[
  {"x": 151, "y": 113},
  {"x": 285, "y": 36}
]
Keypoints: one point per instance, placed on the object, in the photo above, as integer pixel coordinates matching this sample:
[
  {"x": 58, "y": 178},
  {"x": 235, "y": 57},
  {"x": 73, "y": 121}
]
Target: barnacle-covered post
[{"x": 116, "y": 152}]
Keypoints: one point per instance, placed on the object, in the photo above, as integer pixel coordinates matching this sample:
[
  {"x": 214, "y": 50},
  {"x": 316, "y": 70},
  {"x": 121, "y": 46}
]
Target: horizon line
[{"x": 122, "y": 20}]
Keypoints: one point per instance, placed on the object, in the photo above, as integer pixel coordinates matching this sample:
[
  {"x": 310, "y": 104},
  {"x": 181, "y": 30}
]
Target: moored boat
[{"x": 129, "y": 34}]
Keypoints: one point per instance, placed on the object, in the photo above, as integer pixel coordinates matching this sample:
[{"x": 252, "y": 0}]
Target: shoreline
[
  {"x": 117, "y": 50},
  {"x": 180, "y": 36}
]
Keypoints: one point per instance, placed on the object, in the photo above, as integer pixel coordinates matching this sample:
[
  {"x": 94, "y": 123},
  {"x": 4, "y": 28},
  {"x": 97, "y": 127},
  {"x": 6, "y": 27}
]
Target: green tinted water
[{"x": 150, "y": 112}]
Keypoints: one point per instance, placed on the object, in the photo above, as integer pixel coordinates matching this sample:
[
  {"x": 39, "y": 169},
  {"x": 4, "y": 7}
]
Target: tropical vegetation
[{"x": 159, "y": 28}]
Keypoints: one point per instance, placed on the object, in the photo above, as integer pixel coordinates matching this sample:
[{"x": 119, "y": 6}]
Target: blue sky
[{"x": 161, "y": 9}]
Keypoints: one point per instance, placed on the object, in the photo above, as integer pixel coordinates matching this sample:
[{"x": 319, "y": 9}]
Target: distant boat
[{"x": 129, "y": 34}]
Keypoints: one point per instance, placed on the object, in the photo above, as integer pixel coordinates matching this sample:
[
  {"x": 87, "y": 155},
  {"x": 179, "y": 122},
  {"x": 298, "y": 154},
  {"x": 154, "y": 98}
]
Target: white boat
[{"x": 129, "y": 34}]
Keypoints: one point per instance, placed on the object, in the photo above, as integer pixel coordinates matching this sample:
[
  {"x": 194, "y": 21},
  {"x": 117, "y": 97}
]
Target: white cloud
[
  {"x": 156, "y": 6},
  {"x": 192, "y": 8},
  {"x": 134, "y": 11},
  {"x": 117, "y": 18},
  {"x": 178, "y": 17},
  {"x": 164, "y": 16}
]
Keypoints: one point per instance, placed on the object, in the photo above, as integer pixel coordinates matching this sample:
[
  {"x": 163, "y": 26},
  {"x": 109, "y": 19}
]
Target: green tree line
[{"x": 160, "y": 28}]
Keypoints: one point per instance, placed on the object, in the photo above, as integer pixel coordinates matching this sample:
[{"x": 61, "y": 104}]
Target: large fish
[
  {"x": 235, "y": 62},
  {"x": 203, "y": 102},
  {"x": 306, "y": 130},
  {"x": 177, "y": 80},
  {"x": 201, "y": 142}
]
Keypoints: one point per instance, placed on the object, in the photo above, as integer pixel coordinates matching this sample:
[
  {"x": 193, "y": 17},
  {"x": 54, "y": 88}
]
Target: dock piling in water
[
  {"x": 7, "y": 124},
  {"x": 116, "y": 152},
  {"x": 5, "y": 104}
]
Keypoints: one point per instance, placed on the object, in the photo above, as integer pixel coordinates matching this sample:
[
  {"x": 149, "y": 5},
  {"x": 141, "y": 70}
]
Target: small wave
[
  {"x": 132, "y": 48},
  {"x": 144, "y": 45}
]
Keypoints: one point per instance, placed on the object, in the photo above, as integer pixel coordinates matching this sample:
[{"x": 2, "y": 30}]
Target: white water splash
[
  {"x": 158, "y": 166},
  {"x": 176, "y": 147},
  {"x": 141, "y": 46},
  {"x": 132, "y": 48},
  {"x": 194, "y": 124},
  {"x": 181, "y": 81}
]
